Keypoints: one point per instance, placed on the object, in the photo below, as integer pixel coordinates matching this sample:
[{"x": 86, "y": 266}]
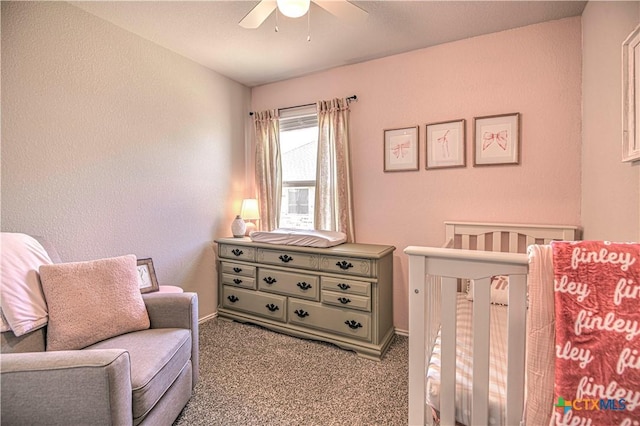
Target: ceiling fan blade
[
  {"x": 343, "y": 10},
  {"x": 258, "y": 14}
]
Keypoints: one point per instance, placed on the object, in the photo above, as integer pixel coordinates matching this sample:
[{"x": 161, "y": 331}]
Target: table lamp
[{"x": 250, "y": 213}]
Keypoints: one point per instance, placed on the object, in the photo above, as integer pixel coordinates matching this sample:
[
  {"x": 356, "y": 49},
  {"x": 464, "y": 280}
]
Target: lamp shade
[
  {"x": 249, "y": 210},
  {"x": 293, "y": 8}
]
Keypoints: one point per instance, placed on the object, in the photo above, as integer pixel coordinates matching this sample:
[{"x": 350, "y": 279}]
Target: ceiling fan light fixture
[{"x": 293, "y": 8}]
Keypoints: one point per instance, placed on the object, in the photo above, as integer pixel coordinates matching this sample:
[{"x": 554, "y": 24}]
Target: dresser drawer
[
  {"x": 239, "y": 281},
  {"x": 288, "y": 258},
  {"x": 238, "y": 269},
  {"x": 231, "y": 251},
  {"x": 346, "y": 322},
  {"x": 266, "y": 305},
  {"x": 289, "y": 283},
  {"x": 341, "y": 285},
  {"x": 350, "y": 301},
  {"x": 347, "y": 265}
]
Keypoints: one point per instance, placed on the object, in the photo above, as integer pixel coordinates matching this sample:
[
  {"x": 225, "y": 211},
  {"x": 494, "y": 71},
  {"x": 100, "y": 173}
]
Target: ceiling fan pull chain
[{"x": 309, "y": 25}]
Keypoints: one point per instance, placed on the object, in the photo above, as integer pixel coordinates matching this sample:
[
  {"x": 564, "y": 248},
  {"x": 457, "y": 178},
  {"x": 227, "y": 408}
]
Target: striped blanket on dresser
[{"x": 597, "y": 305}]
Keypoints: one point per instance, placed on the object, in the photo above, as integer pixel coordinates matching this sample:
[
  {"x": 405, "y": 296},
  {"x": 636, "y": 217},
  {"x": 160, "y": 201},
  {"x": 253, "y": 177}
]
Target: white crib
[{"x": 474, "y": 251}]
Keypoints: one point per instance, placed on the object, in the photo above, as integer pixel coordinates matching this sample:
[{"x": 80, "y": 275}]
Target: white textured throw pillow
[
  {"x": 92, "y": 301},
  {"x": 22, "y": 302}
]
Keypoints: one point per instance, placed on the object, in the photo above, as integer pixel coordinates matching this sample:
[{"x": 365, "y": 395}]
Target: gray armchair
[{"x": 142, "y": 377}]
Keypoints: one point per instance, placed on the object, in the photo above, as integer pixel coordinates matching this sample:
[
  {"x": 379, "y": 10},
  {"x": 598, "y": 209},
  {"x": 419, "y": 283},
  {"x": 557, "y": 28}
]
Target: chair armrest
[
  {"x": 172, "y": 310},
  {"x": 176, "y": 310},
  {"x": 66, "y": 387}
]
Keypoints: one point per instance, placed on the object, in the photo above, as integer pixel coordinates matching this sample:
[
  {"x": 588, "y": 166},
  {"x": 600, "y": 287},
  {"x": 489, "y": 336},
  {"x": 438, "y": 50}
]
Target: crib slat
[
  {"x": 464, "y": 242},
  {"x": 481, "y": 328},
  {"x": 433, "y": 297},
  {"x": 481, "y": 242},
  {"x": 516, "y": 333},
  {"x": 497, "y": 241},
  {"x": 513, "y": 242},
  {"x": 448, "y": 352}
]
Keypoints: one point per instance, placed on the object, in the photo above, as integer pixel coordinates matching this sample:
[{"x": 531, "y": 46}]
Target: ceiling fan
[{"x": 297, "y": 8}]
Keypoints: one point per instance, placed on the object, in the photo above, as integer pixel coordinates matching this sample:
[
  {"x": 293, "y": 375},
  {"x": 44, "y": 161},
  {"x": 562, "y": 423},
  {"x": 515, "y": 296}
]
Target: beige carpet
[{"x": 253, "y": 376}]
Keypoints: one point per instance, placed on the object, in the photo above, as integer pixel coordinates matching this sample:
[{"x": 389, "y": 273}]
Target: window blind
[{"x": 298, "y": 118}]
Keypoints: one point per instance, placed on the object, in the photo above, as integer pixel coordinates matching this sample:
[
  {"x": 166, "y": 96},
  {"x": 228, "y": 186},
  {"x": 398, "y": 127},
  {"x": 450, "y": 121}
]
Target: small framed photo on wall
[
  {"x": 401, "y": 149},
  {"x": 496, "y": 139},
  {"x": 631, "y": 97},
  {"x": 147, "y": 280},
  {"x": 446, "y": 145}
]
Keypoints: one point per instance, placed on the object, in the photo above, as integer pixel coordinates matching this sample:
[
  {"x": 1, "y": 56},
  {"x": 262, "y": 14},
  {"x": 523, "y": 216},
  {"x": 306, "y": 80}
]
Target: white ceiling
[{"x": 208, "y": 31}]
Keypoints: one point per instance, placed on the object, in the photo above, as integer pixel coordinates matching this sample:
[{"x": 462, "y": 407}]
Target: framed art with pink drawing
[
  {"x": 496, "y": 139},
  {"x": 446, "y": 145},
  {"x": 401, "y": 149}
]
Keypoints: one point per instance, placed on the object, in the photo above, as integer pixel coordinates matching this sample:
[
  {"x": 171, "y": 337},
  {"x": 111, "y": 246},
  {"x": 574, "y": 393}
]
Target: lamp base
[{"x": 250, "y": 227}]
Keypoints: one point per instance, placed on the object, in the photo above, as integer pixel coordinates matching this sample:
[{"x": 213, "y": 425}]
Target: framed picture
[
  {"x": 401, "y": 149},
  {"x": 631, "y": 97},
  {"x": 496, "y": 139},
  {"x": 446, "y": 145},
  {"x": 147, "y": 276}
]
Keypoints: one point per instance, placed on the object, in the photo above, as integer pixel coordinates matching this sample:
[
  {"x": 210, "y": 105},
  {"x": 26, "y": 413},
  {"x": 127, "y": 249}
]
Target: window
[
  {"x": 298, "y": 200},
  {"x": 299, "y": 151}
]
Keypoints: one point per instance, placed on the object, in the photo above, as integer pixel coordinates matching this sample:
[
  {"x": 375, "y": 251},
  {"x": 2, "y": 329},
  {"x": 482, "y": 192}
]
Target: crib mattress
[
  {"x": 464, "y": 364},
  {"x": 297, "y": 237}
]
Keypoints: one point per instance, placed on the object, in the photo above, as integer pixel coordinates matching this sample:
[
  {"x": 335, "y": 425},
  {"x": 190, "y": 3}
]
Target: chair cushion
[
  {"x": 92, "y": 301},
  {"x": 157, "y": 358}
]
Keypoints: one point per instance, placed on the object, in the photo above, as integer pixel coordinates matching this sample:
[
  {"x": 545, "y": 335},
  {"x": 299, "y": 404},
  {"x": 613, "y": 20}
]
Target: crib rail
[{"x": 433, "y": 282}]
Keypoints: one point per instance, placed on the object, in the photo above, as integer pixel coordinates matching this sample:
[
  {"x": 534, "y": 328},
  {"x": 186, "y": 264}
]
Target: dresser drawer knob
[
  {"x": 237, "y": 270},
  {"x": 237, "y": 280},
  {"x": 304, "y": 286},
  {"x": 344, "y": 265},
  {"x": 301, "y": 313},
  {"x": 272, "y": 307},
  {"x": 354, "y": 325},
  {"x": 344, "y": 300},
  {"x": 344, "y": 286},
  {"x": 232, "y": 298},
  {"x": 286, "y": 258},
  {"x": 269, "y": 280},
  {"x": 237, "y": 252}
]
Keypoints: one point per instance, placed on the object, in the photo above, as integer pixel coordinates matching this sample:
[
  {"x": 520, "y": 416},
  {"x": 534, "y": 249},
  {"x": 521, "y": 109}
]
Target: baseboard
[
  {"x": 207, "y": 317},
  {"x": 401, "y": 332}
]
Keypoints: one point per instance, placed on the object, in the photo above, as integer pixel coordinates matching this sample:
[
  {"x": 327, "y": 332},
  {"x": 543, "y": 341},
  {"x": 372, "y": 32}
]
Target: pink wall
[
  {"x": 606, "y": 181},
  {"x": 535, "y": 70}
]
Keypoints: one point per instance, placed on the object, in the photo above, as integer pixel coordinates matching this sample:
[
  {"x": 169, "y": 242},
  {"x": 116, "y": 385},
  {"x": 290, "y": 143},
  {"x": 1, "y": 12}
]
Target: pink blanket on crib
[{"x": 597, "y": 304}]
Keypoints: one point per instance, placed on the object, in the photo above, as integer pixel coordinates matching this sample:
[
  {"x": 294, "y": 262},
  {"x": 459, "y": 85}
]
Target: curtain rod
[{"x": 353, "y": 98}]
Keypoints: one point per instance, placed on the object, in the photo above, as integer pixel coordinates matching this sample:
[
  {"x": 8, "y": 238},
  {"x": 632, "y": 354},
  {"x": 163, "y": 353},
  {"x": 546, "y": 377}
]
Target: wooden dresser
[{"x": 342, "y": 295}]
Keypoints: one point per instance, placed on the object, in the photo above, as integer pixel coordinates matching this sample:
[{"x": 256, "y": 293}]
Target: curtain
[
  {"x": 334, "y": 200},
  {"x": 268, "y": 167}
]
